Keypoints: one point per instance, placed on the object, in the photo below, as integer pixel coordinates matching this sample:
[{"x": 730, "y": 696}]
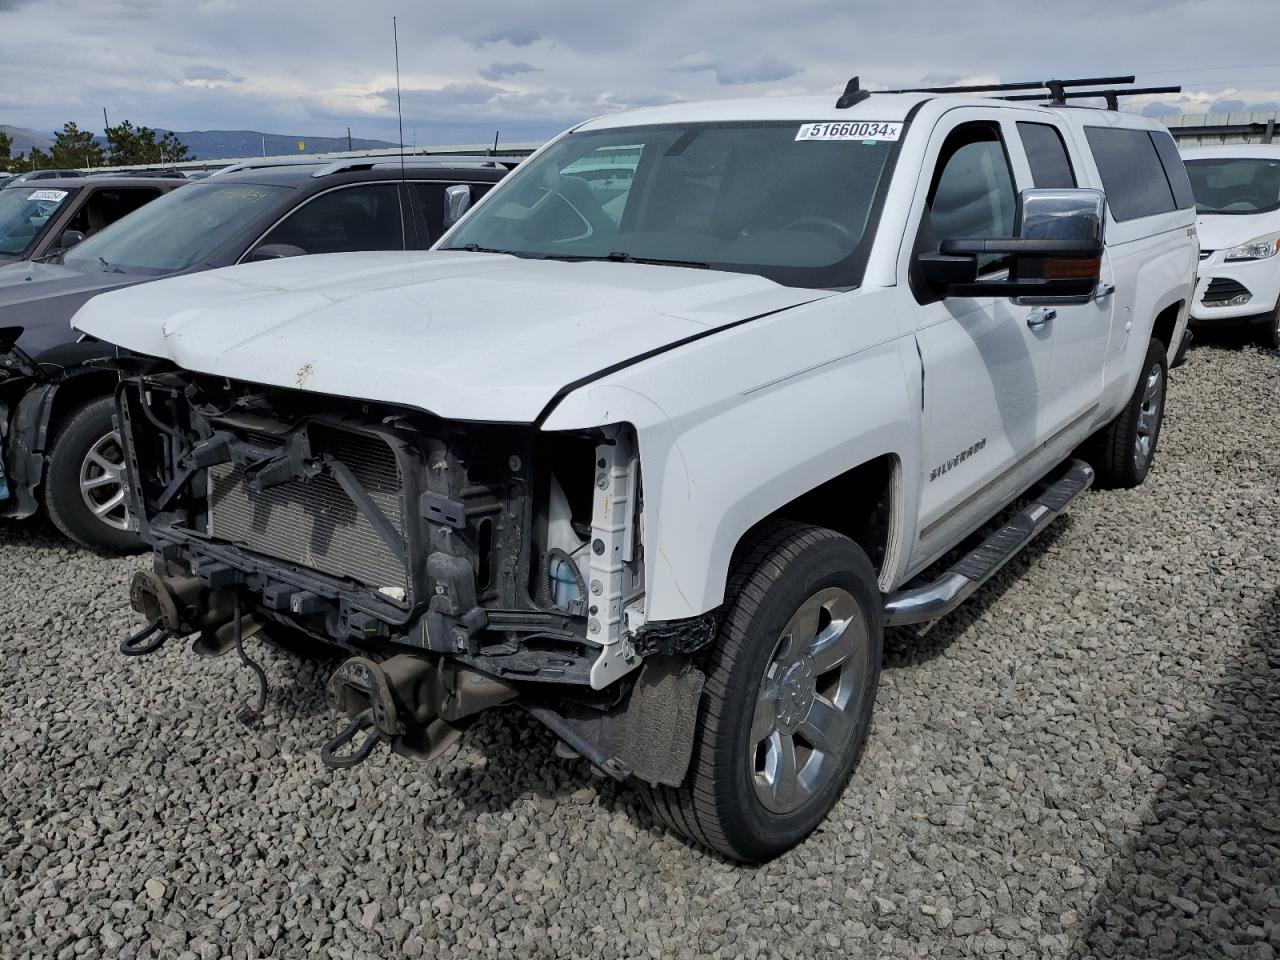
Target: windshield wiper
[
  {"x": 621, "y": 256},
  {"x": 476, "y": 248}
]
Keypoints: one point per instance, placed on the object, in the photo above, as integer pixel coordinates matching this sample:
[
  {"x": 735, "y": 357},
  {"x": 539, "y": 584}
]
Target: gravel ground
[{"x": 1080, "y": 762}]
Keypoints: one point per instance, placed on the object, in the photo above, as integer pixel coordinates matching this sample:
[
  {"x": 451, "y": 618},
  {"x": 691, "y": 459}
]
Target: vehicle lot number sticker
[
  {"x": 57, "y": 196},
  {"x": 851, "y": 130}
]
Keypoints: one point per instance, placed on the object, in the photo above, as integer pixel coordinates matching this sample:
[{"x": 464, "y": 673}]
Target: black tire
[
  {"x": 81, "y": 435},
  {"x": 719, "y": 804},
  {"x": 1269, "y": 334},
  {"x": 1121, "y": 460}
]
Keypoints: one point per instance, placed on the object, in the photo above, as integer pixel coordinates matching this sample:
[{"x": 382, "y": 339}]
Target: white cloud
[{"x": 531, "y": 69}]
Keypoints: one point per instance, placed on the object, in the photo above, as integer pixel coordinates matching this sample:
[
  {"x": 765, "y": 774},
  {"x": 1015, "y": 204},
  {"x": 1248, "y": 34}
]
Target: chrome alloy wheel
[
  {"x": 1149, "y": 416},
  {"x": 810, "y": 693},
  {"x": 102, "y": 482}
]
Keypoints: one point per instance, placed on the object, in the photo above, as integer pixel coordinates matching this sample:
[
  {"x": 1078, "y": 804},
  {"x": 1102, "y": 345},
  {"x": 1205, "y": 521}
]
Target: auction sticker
[
  {"x": 57, "y": 196},
  {"x": 851, "y": 130}
]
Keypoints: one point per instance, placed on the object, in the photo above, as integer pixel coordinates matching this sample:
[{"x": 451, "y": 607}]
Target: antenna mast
[{"x": 395, "y": 34}]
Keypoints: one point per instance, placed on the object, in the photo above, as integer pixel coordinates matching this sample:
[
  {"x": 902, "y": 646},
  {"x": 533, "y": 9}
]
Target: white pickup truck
[{"x": 657, "y": 440}]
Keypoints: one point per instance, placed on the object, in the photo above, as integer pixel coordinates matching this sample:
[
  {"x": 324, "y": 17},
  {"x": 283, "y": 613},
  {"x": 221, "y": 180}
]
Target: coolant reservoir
[{"x": 564, "y": 585}]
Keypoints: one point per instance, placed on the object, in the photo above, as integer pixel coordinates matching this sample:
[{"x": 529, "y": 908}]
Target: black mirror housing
[{"x": 69, "y": 238}]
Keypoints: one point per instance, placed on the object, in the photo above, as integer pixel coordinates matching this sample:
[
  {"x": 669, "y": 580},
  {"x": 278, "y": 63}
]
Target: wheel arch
[
  {"x": 74, "y": 392},
  {"x": 1165, "y": 324},
  {"x": 864, "y": 503}
]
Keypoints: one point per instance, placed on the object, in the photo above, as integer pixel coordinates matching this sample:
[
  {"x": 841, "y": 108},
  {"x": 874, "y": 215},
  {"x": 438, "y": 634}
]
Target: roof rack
[
  {"x": 1112, "y": 96},
  {"x": 1055, "y": 87},
  {"x": 416, "y": 160},
  {"x": 1057, "y": 90}
]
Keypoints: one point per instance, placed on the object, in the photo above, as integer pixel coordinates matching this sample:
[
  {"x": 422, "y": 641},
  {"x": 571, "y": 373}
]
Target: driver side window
[{"x": 972, "y": 193}]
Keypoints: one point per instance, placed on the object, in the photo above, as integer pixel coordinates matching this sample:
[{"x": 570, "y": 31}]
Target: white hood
[
  {"x": 1224, "y": 231},
  {"x": 464, "y": 336}
]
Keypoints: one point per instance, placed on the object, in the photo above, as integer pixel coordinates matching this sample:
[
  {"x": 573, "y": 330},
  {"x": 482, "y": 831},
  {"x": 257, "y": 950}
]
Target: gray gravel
[{"x": 1081, "y": 762}]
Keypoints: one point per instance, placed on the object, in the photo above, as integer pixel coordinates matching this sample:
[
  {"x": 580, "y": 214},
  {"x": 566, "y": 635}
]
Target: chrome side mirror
[
  {"x": 1073, "y": 214},
  {"x": 1054, "y": 256},
  {"x": 457, "y": 201}
]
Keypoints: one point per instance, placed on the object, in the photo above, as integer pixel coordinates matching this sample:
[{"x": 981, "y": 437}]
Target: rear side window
[
  {"x": 365, "y": 217},
  {"x": 1132, "y": 173},
  {"x": 105, "y": 207},
  {"x": 1175, "y": 170},
  {"x": 1047, "y": 155}
]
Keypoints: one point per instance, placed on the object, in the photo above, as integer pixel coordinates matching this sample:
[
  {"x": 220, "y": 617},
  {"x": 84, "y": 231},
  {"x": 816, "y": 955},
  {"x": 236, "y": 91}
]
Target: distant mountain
[
  {"x": 24, "y": 140},
  {"x": 234, "y": 144}
]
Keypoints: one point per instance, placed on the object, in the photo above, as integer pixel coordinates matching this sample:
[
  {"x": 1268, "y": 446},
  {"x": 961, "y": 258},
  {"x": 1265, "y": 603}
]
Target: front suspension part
[{"x": 416, "y": 704}]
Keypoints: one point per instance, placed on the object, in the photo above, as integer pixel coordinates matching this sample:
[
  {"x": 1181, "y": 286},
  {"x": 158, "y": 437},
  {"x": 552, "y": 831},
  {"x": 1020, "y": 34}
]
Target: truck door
[
  {"x": 1078, "y": 331},
  {"x": 987, "y": 364}
]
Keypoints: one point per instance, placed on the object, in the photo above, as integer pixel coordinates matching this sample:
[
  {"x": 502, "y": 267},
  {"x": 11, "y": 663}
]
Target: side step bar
[{"x": 975, "y": 568}]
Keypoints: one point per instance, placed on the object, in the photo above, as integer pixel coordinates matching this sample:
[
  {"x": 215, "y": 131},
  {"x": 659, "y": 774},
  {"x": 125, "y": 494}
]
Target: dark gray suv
[{"x": 57, "y": 441}]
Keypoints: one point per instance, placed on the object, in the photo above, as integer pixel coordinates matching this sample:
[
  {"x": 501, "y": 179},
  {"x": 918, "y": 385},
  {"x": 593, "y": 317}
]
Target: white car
[
  {"x": 1237, "y": 190},
  {"x": 659, "y": 463}
]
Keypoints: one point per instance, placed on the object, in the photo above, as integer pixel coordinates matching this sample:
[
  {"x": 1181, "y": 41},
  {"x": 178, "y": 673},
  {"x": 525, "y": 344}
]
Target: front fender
[
  {"x": 737, "y": 425},
  {"x": 26, "y": 436}
]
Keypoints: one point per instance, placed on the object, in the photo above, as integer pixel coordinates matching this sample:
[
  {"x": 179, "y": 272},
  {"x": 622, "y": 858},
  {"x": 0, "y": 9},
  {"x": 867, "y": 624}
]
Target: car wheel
[
  {"x": 84, "y": 481},
  {"x": 1128, "y": 445},
  {"x": 791, "y": 682},
  {"x": 1271, "y": 331}
]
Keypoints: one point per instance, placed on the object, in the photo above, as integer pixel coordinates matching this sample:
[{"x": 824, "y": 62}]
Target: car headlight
[{"x": 1259, "y": 248}]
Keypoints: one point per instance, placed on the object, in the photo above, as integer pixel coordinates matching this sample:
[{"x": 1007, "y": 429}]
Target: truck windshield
[
  {"x": 178, "y": 230},
  {"x": 746, "y": 197},
  {"x": 1235, "y": 185},
  {"x": 24, "y": 214}
]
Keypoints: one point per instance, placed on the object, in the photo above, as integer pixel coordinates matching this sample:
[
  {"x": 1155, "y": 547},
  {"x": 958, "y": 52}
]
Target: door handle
[
  {"x": 1103, "y": 290},
  {"x": 1038, "y": 317}
]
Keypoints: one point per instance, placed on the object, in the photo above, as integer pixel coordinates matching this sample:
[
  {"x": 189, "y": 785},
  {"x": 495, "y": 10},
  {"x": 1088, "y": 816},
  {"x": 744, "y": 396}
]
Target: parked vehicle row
[
  {"x": 1237, "y": 190},
  {"x": 61, "y": 447},
  {"x": 653, "y": 442}
]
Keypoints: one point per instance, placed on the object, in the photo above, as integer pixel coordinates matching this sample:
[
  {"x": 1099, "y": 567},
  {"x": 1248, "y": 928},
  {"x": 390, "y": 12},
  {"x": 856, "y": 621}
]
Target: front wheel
[
  {"x": 84, "y": 481},
  {"x": 1128, "y": 445},
  {"x": 1270, "y": 336},
  {"x": 787, "y": 704}
]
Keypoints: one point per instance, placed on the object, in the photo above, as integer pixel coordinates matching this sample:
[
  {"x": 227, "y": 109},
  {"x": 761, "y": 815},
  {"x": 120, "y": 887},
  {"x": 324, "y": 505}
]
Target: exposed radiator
[{"x": 315, "y": 524}]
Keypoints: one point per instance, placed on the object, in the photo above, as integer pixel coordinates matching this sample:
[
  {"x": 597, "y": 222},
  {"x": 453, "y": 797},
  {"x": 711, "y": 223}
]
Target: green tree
[
  {"x": 131, "y": 146},
  {"x": 73, "y": 147},
  {"x": 174, "y": 149},
  {"x": 6, "y": 148},
  {"x": 37, "y": 159}
]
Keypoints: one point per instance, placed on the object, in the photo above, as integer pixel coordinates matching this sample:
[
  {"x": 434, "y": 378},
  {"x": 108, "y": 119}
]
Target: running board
[{"x": 979, "y": 565}]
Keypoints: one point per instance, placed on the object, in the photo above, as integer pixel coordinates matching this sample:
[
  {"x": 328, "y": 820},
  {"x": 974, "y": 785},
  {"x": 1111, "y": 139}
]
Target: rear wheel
[
  {"x": 787, "y": 705},
  {"x": 84, "y": 481},
  {"x": 1128, "y": 445}
]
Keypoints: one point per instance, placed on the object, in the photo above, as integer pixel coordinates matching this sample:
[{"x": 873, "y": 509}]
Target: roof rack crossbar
[
  {"x": 1056, "y": 87},
  {"x": 1111, "y": 96},
  {"x": 417, "y": 160}
]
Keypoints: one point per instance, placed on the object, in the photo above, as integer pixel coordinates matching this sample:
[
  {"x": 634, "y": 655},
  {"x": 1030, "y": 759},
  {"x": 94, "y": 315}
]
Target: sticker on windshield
[
  {"x": 851, "y": 130},
  {"x": 57, "y": 196}
]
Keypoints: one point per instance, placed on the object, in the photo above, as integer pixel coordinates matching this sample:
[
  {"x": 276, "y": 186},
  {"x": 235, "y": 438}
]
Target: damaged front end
[{"x": 463, "y": 565}]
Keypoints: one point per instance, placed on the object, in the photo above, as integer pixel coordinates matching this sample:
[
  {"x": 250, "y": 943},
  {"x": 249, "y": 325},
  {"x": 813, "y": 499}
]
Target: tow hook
[
  {"x": 414, "y": 704},
  {"x": 139, "y": 644}
]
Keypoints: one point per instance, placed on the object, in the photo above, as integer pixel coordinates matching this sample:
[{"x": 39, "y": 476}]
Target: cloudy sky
[{"x": 313, "y": 67}]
